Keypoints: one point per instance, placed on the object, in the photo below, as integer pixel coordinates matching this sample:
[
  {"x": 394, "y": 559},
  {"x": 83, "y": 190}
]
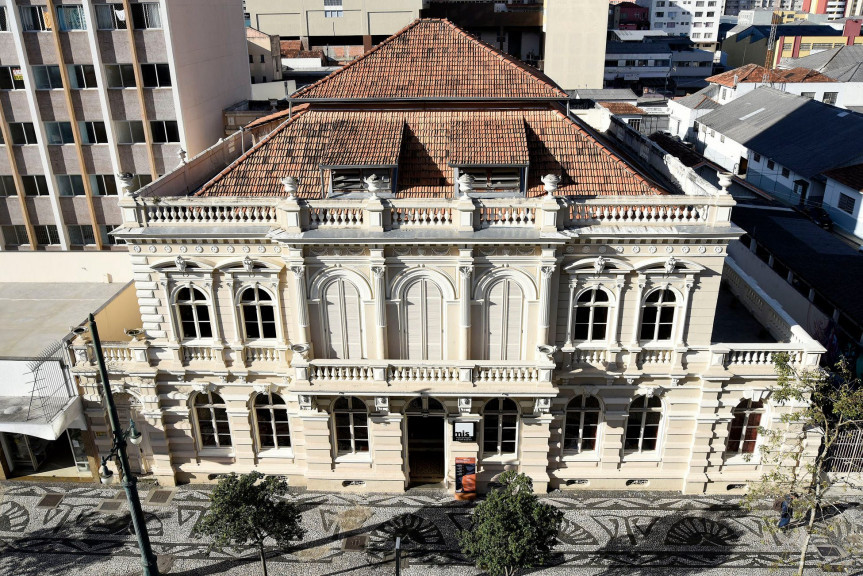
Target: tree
[
  {"x": 822, "y": 403},
  {"x": 246, "y": 511},
  {"x": 511, "y": 529}
]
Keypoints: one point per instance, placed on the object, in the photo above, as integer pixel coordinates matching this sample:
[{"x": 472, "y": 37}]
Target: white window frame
[
  {"x": 121, "y": 126},
  {"x": 643, "y": 411},
  {"x": 257, "y": 303},
  {"x": 745, "y": 407},
  {"x": 146, "y": 16},
  {"x": 500, "y": 412},
  {"x": 352, "y": 455},
  {"x": 287, "y": 450},
  {"x": 662, "y": 304},
  {"x": 212, "y": 406},
  {"x": 73, "y": 69},
  {"x": 424, "y": 312},
  {"x": 36, "y": 19},
  {"x": 579, "y": 411},
  {"x": 325, "y": 321},
  {"x": 79, "y": 22},
  {"x": 119, "y": 18},
  {"x": 509, "y": 282},
  {"x": 193, "y": 303},
  {"x": 591, "y": 306}
]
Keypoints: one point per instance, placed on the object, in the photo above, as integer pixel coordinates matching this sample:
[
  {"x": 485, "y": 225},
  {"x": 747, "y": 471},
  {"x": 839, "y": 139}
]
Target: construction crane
[{"x": 771, "y": 42}]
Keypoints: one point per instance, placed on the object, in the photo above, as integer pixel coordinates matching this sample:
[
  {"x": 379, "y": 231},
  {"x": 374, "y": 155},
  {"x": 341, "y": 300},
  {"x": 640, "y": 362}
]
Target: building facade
[
  {"x": 698, "y": 19},
  {"x": 375, "y": 273},
  {"x": 93, "y": 89}
]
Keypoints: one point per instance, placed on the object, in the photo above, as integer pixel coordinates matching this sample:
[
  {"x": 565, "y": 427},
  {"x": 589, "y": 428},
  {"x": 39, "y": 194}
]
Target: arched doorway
[
  {"x": 128, "y": 408},
  {"x": 425, "y": 441}
]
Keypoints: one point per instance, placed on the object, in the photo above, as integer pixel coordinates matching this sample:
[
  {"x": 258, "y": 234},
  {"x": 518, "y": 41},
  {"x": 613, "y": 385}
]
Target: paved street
[{"x": 84, "y": 530}]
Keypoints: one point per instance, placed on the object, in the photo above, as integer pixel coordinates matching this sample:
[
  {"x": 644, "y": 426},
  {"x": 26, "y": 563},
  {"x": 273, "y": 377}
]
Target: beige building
[
  {"x": 575, "y": 32},
  {"x": 91, "y": 89},
  {"x": 265, "y": 59},
  {"x": 374, "y": 274}
]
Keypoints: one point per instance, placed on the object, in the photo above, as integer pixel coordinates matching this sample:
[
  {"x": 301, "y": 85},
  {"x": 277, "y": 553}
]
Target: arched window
[
  {"x": 258, "y": 312},
  {"x": 642, "y": 424},
  {"x": 582, "y": 423},
  {"x": 422, "y": 321},
  {"x": 500, "y": 427},
  {"x": 504, "y": 307},
  {"x": 743, "y": 435},
  {"x": 343, "y": 337},
  {"x": 193, "y": 310},
  {"x": 657, "y": 316},
  {"x": 212, "y": 416},
  {"x": 350, "y": 418},
  {"x": 591, "y": 315},
  {"x": 424, "y": 405},
  {"x": 271, "y": 417}
]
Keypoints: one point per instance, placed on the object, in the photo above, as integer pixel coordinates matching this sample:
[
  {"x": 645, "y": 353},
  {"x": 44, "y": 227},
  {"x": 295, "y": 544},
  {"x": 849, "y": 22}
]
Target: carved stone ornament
[
  {"x": 465, "y": 271},
  {"x": 374, "y": 183},
  {"x": 203, "y": 387},
  {"x": 382, "y": 404},
  {"x": 631, "y": 379},
  {"x": 599, "y": 264},
  {"x": 306, "y": 401},
  {"x": 464, "y": 405},
  {"x": 181, "y": 263},
  {"x": 118, "y": 387},
  {"x": 263, "y": 388},
  {"x": 656, "y": 391},
  {"x": 298, "y": 271},
  {"x": 676, "y": 380},
  {"x": 291, "y": 185},
  {"x": 465, "y": 183},
  {"x": 670, "y": 265},
  {"x": 547, "y": 271},
  {"x": 756, "y": 395},
  {"x": 378, "y": 271},
  {"x": 551, "y": 182},
  {"x": 248, "y": 264},
  {"x": 542, "y": 406}
]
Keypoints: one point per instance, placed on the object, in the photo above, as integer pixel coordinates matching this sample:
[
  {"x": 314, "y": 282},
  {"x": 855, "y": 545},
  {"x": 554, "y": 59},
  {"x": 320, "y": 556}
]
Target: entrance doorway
[{"x": 425, "y": 441}]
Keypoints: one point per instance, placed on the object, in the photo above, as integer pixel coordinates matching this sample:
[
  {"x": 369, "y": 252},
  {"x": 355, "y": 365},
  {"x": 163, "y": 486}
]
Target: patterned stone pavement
[{"x": 85, "y": 530}]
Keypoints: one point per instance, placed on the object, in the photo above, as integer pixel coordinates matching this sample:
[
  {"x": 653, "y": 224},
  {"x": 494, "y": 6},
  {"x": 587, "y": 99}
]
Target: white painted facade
[{"x": 843, "y": 203}]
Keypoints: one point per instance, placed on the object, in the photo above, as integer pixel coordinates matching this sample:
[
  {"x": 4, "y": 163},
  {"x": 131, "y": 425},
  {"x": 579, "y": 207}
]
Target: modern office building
[
  {"x": 697, "y": 19},
  {"x": 93, "y": 89}
]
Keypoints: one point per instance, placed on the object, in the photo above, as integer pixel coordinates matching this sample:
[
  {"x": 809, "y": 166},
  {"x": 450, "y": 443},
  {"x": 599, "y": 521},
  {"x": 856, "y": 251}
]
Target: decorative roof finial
[
  {"x": 291, "y": 185},
  {"x": 551, "y": 182},
  {"x": 465, "y": 183},
  {"x": 374, "y": 184}
]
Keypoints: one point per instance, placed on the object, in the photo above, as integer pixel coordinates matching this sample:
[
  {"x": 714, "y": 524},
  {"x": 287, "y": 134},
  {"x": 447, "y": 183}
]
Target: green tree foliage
[
  {"x": 824, "y": 404},
  {"x": 511, "y": 529},
  {"x": 246, "y": 510}
]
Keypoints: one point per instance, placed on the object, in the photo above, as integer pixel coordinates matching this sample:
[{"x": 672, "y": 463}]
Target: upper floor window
[
  {"x": 70, "y": 185},
  {"x": 82, "y": 76},
  {"x": 47, "y": 77},
  {"x": 346, "y": 180},
  {"x": 846, "y": 203},
  {"x": 36, "y": 185},
  {"x": 657, "y": 316},
  {"x": 81, "y": 235},
  {"x": 4, "y": 23},
  {"x": 504, "y": 311},
  {"x": 22, "y": 133},
  {"x": 422, "y": 321},
  {"x": 490, "y": 179},
  {"x": 71, "y": 17},
  {"x": 146, "y": 15},
  {"x": 591, "y": 315},
  {"x": 165, "y": 131},
  {"x": 131, "y": 132},
  {"x": 93, "y": 132},
  {"x": 500, "y": 427},
  {"x": 259, "y": 313},
  {"x": 7, "y": 186},
  {"x": 743, "y": 435},
  {"x": 155, "y": 75},
  {"x": 103, "y": 184},
  {"x": 110, "y": 17},
  {"x": 271, "y": 418},
  {"x": 341, "y": 328},
  {"x": 333, "y": 9},
  {"x": 120, "y": 75},
  {"x": 11, "y": 78},
  {"x": 47, "y": 235},
  {"x": 15, "y": 235},
  {"x": 33, "y": 19},
  {"x": 351, "y": 426},
  {"x": 59, "y": 133},
  {"x": 642, "y": 424},
  {"x": 582, "y": 424},
  {"x": 830, "y": 97},
  {"x": 193, "y": 312},
  {"x": 214, "y": 431}
]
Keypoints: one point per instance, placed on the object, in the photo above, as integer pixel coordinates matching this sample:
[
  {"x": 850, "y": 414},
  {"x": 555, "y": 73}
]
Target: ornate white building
[{"x": 427, "y": 239}]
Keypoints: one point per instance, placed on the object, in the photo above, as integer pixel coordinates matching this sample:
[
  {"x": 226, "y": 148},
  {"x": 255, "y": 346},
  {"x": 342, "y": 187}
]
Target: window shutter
[
  {"x": 334, "y": 333},
  {"x": 514, "y": 314},
  {"x": 413, "y": 319},
  {"x": 495, "y": 316},
  {"x": 434, "y": 321},
  {"x": 353, "y": 329}
]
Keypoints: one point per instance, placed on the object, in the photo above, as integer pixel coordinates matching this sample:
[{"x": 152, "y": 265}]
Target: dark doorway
[{"x": 426, "y": 449}]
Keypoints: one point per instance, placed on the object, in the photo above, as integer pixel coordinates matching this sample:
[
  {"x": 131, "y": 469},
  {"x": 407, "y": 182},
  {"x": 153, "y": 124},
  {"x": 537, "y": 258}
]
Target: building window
[
  {"x": 271, "y": 418},
  {"x": 591, "y": 316},
  {"x": 7, "y": 186},
  {"x": 47, "y": 77},
  {"x": 93, "y": 133},
  {"x": 504, "y": 311},
  {"x": 262, "y": 59},
  {"x": 146, "y": 15},
  {"x": 131, "y": 132},
  {"x": 139, "y": 181},
  {"x": 4, "y": 23},
  {"x": 165, "y": 131},
  {"x": 582, "y": 425},
  {"x": 785, "y": 173},
  {"x": 47, "y": 235},
  {"x": 59, "y": 133},
  {"x": 22, "y": 133},
  {"x": 251, "y": 59},
  {"x": 422, "y": 321},
  {"x": 259, "y": 313},
  {"x": 345, "y": 180},
  {"x": 214, "y": 431},
  {"x": 500, "y": 427},
  {"x": 155, "y": 75},
  {"x": 756, "y": 157},
  {"x": 341, "y": 326},
  {"x": 350, "y": 420},
  {"x": 71, "y": 17},
  {"x": 82, "y": 76},
  {"x": 103, "y": 184},
  {"x": 33, "y": 19},
  {"x": 642, "y": 424},
  {"x": 81, "y": 235},
  {"x": 657, "y": 316},
  {"x": 120, "y": 75},
  {"x": 743, "y": 435},
  {"x": 771, "y": 165},
  {"x": 830, "y": 97},
  {"x": 333, "y": 9},
  {"x": 810, "y": 95},
  {"x": 846, "y": 203},
  {"x": 15, "y": 236},
  {"x": 107, "y": 238},
  {"x": 193, "y": 311},
  {"x": 70, "y": 185},
  {"x": 35, "y": 185},
  {"x": 11, "y": 78},
  {"x": 494, "y": 179},
  {"x": 110, "y": 17},
  {"x": 660, "y": 14}
]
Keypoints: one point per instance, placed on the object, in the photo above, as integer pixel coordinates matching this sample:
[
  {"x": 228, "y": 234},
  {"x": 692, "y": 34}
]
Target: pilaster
[{"x": 535, "y": 435}]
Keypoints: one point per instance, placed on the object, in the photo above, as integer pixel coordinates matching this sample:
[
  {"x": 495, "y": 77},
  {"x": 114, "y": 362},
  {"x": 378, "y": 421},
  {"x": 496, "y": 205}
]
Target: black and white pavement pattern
[{"x": 85, "y": 530}]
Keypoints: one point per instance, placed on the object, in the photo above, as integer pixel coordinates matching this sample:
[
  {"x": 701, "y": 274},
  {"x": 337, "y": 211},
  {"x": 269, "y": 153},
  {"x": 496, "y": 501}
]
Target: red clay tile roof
[
  {"x": 487, "y": 139},
  {"x": 434, "y": 59},
  {"x": 755, "y": 73},
  {"x": 348, "y": 137},
  {"x": 851, "y": 176},
  {"x": 555, "y": 144},
  {"x": 622, "y": 108}
]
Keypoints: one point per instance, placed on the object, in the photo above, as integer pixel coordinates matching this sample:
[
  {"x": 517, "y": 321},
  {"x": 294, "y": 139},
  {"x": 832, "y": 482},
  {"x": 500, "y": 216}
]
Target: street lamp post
[{"x": 118, "y": 450}]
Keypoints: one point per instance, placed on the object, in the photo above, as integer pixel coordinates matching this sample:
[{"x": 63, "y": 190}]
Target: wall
[
  {"x": 744, "y": 51},
  {"x": 723, "y": 151},
  {"x": 118, "y": 315},
  {"x": 575, "y": 33},
  {"x": 852, "y": 223},
  {"x": 73, "y": 266},
  {"x": 849, "y": 93},
  {"x": 298, "y": 18}
]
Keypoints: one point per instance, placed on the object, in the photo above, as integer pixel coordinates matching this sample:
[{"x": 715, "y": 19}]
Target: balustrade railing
[
  {"x": 191, "y": 212},
  {"x": 117, "y": 352},
  {"x": 403, "y": 216},
  {"x": 262, "y": 354},
  {"x": 200, "y": 354}
]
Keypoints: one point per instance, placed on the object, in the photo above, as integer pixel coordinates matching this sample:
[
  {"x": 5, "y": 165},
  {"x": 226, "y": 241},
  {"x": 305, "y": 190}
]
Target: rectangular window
[
  {"x": 107, "y": 239},
  {"x": 4, "y": 23},
  {"x": 810, "y": 95},
  {"x": 103, "y": 184},
  {"x": 494, "y": 179},
  {"x": 785, "y": 173},
  {"x": 262, "y": 59},
  {"x": 139, "y": 181},
  {"x": 756, "y": 157},
  {"x": 251, "y": 59},
  {"x": 46, "y": 235},
  {"x": 146, "y": 15},
  {"x": 771, "y": 165},
  {"x": 47, "y": 77},
  {"x": 33, "y": 19},
  {"x": 634, "y": 123},
  {"x": 165, "y": 131},
  {"x": 333, "y": 13},
  {"x": 22, "y": 133},
  {"x": 59, "y": 133},
  {"x": 93, "y": 132},
  {"x": 82, "y": 76},
  {"x": 155, "y": 75},
  {"x": 7, "y": 186},
  {"x": 130, "y": 132},
  {"x": 830, "y": 97},
  {"x": 352, "y": 179},
  {"x": 70, "y": 185},
  {"x": 34, "y": 185},
  {"x": 11, "y": 78},
  {"x": 120, "y": 75},
  {"x": 71, "y": 17},
  {"x": 81, "y": 235},
  {"x": 846, "y": 203},
  {"x": 110, "y": 17},
  {"x": 15, "y": 235}
]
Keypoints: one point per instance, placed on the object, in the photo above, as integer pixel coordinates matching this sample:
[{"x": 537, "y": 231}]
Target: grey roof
[
  {"x": 801, "y": 28},
  {"x": 604, "y": 94},
  {"x": 844, "y": 64},
  {"x": 634, "y": 35},
  {"x": 804, "y": 135},
  {"x": 652, "y": 45},
  {"x": 701, "y": 100}
]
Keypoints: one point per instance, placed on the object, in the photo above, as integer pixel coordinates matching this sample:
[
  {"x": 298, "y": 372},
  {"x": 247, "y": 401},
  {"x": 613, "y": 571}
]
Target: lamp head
[
  {"x": 134, "y": 435},
  {"x": 105, "y": 474}
]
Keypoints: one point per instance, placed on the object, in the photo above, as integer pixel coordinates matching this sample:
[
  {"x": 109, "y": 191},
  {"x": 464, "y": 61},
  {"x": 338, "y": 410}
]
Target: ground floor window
[
  {"x": 351, "y": 422},
  {"x": 500, "y": 427}
]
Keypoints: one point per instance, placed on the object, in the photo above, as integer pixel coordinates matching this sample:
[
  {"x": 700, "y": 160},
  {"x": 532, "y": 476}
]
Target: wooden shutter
[
  {"x": 495, "y": 318},
  {"x": 433, "y": 321},
  {"x": 514, "y": 315},
  {"x": 353, "y": 329},
  {"x": 333, "y": 329},
  {"x": 413, "y": 322}
]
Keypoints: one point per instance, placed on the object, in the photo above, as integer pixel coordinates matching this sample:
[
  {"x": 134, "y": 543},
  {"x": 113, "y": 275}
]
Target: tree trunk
[
  {"x": 263, "y": 558},
  {"x": 816, "y": 503}
]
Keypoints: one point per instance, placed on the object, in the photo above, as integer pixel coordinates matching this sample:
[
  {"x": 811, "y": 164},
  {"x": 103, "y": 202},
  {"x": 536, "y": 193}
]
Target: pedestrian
[{"x": 785, "y": 511}]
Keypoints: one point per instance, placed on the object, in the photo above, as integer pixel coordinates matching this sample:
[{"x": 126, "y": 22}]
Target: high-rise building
[
  {"x": 698, "y": 19},
  {"x": 834, "y": 9},
  {"x": 94, "y": 89}
]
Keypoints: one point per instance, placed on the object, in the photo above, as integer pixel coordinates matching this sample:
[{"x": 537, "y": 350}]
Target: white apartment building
[
  {"x": 92, "y": 89},
  {"x": 698, "y": 19}
]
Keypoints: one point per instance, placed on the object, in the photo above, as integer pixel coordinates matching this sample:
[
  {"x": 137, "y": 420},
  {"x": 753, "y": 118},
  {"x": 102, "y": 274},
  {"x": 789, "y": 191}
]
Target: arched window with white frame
[
  {"x": 193, "y": 313},
  {"x": 211, "y": 415},
  {"x": 743, "y": 434},
  {"x": 271, "y": 422},
  {"x": 582, "y": 424},
  {"x": 591, "y": 316},
  {"x": 504, "y": 317},
  {"x": 642, "y": 424},
  {"x": 341, "y": 308},
  {"x": 657, "y": 315},
  {"x": 423, "y": 321},
  {"x": 351, "y": 426},
  {"x": 258, "y": 313},
  {"x": 500, "y": 428}
]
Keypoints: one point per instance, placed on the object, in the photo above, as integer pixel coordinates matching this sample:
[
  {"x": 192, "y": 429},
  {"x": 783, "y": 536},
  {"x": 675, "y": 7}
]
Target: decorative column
[
  {"x": 380, "y": 295},
  {"x": 302, "y": 303},
  {"x": 314, "y": 428},
  {"x": 465, "y": 289},
  {"x": 709, "y": 435},
  {"x": 573, "y": 286},
  {"x": 636, "y": 317},
  {"x": 684, "y": 312},
  {"x": 546, "y": 272}
]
